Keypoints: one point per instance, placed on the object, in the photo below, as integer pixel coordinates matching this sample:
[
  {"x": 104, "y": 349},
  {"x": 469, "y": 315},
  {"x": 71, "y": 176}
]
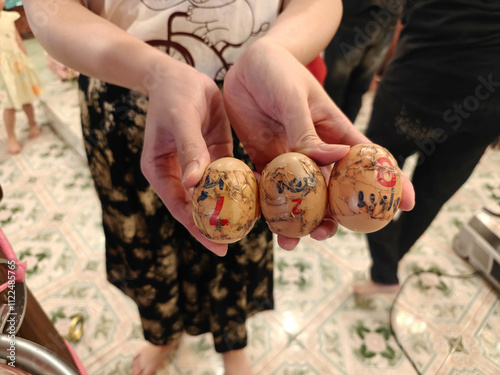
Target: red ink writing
[
  {"x": 296, "y": 210},
  {"x": 384, "y": 170},
  {"x": 214, "y": 219}
]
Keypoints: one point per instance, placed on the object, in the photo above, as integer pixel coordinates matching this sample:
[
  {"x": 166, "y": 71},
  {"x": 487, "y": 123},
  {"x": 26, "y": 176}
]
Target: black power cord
[{"x": 407, "y": 355}]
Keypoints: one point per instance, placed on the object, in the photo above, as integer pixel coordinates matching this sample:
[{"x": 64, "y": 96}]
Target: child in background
[{"x": 19, "y": 81}]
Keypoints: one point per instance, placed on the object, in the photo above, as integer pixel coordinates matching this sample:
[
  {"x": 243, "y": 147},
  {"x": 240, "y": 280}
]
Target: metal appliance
[{"x": 479, "y": 243}]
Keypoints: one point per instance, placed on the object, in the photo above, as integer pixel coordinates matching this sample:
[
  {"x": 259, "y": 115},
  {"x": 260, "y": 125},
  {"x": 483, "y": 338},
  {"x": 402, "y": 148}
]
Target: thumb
[
  {"x": 302, "y": 137},
  {"x": 192, "y": 152}
]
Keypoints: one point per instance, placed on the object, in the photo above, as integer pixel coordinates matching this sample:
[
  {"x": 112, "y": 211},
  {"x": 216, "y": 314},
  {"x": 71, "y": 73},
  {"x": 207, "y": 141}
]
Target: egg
[
  {"x": 225, "y": 203},
  {"x": 293, "y": 195},
  {"x": 364, "y": 190}
]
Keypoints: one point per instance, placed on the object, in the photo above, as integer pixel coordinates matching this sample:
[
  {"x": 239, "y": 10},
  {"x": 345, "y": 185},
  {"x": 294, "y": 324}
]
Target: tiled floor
[{"x": 448, "y": 326}]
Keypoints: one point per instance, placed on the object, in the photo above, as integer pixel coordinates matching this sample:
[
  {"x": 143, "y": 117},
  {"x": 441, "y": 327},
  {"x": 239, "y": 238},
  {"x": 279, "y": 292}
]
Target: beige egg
[
  {"x": 364, "y": 190},
  {"x": 226, "y": 202},
  {"x": 293, "y": 195}
]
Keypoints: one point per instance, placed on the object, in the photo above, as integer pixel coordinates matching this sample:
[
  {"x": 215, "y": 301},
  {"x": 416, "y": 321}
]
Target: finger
[
  {"x": 325, "y": 230},
  {"x": 334, "y": 127},
  {"x": 196, "y": 131},
  {"x": 300, "y": 132},
  {"x": 284, "y": 242},
  {"x": 287, "y": 243},
  {"x": 192, "y": 153},
  {"x": 326, "y": 154},
  {"x": 408, "y": 194},
  {"x": 216, "y": 248},
  {"x": 302, "y": 137},
  {"x": 181, "y": 211},
  {"x": 164, "y": 177}
]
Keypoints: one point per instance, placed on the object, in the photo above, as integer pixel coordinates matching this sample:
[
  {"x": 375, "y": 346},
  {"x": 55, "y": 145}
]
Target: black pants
[
  {"x": 355, "y": 54},
  {"x": 449, "y": 144}
]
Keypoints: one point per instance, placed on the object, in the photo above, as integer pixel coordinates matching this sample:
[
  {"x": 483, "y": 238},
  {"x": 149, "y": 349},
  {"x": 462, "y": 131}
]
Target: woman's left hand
[{"x": 275, "y": 105}]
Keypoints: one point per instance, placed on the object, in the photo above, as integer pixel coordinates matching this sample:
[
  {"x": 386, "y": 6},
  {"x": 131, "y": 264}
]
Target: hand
[
  {"x": 275, "y": 105},
  {"x": 186, "y": 129}
]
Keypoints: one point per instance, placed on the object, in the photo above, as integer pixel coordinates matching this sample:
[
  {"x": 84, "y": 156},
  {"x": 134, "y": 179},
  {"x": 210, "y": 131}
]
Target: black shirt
[
  {"x": 359, "y": 6},
  {"x": 446, "y": 46}
]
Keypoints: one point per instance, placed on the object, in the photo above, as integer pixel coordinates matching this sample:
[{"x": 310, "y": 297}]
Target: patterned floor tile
[
  {"x": 353, "y": 336},
  {"x": 348, "y": 249},
  {"x": 441, "y": 299},
  {"x": 470, "y": 368},
  {"x": 87, "y": 226},
  {"x": 416, "y": 340},
  {"x": 62, "y": 104},
  {"x": 297, "y": 359},
  {"x": 20, "y": 209},
  {"x": 304, "y": 280},
  {"x": 10, "y": 173},
  {"x": 484, "y": 332},
  {"x": 70, "y": 187},
  {"x": 460, "y": 353},
  {"x": 117, "y": 360},
  {"x": 266, "y": 338},
  {"x": 103, "y": 324},
  {"x": 432, "y": 331},
  {"x": 47, "y": 153},
  {"x": 48, "y": 255},
  {"x": 196, "y": 356}
]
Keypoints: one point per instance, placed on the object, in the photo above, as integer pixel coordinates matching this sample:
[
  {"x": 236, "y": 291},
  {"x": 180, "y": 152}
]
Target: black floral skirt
[{"x": 177, "y": 284}]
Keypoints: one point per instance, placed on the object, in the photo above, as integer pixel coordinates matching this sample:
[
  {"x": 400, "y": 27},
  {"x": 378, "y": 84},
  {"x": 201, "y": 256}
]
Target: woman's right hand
[
  {"x": 186, "y": 129},
  {"x": 186, "y": 125}
]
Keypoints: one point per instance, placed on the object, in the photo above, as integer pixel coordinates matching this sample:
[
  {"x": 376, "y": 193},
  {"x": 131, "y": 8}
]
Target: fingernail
[{"x": 333, "y": 147}]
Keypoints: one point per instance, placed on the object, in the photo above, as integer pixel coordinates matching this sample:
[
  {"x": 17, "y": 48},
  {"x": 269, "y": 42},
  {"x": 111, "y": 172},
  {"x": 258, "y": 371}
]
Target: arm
[
  {"x": 305, "y": 27},
  {"x": 186, "y": 124},
  {"x": 275, "y": 105},
  {"x": 78, "y": 38},
  {"x": 20, "y": 43}
]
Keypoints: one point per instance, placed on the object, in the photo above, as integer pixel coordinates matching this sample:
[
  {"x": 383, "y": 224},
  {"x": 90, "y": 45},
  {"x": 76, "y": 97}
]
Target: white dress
[{"x": 19, "y": 81}]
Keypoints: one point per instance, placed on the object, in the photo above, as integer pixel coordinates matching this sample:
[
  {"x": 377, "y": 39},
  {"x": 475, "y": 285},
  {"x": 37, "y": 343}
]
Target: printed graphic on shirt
[{"x": 207, "y": 34}]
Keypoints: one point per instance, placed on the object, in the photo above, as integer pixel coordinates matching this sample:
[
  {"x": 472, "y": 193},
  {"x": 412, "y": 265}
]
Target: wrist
[
  {"x": 272, "y": 44},
  {"x": 153, "y": 70}
]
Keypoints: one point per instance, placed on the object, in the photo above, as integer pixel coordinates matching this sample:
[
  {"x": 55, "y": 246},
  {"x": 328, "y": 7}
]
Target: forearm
[
  {"x": 95, "y": 47},
  {"x": 305, "y": 27}
]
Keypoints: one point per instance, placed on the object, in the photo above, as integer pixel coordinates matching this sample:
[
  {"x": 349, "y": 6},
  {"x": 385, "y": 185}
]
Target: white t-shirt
[{"x": 207, "y": 34}]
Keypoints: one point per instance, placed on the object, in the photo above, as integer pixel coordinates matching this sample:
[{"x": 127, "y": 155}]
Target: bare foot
[
  {"x": 150, "y": 357},
  {"x": 370, "y": 287},
  {"x": 35, "y": 131},
  {"x": 14, "y": 146},
  {"x": 236, "y": 362}
]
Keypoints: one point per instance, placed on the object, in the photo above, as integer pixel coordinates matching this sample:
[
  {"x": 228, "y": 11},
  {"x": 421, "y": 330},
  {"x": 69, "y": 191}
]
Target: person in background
[
  {"x": 358, "y": 50},
  {"x": 439, "y": 97},
  {"x": 152, "y": 123},
  {"x": 19, "y": 81}
]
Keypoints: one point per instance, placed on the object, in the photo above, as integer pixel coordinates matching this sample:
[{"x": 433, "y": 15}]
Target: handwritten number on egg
[
  {"x": 214, "y": 220},
  {"x": 383, "y": 170},
  {"x": 296, "y": 210},
  {"x": 225, "y": 203}
]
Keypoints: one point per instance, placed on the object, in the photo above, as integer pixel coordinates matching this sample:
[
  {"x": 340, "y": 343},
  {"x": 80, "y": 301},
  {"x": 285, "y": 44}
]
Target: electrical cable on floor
[{"x": 418, "y": 273}]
